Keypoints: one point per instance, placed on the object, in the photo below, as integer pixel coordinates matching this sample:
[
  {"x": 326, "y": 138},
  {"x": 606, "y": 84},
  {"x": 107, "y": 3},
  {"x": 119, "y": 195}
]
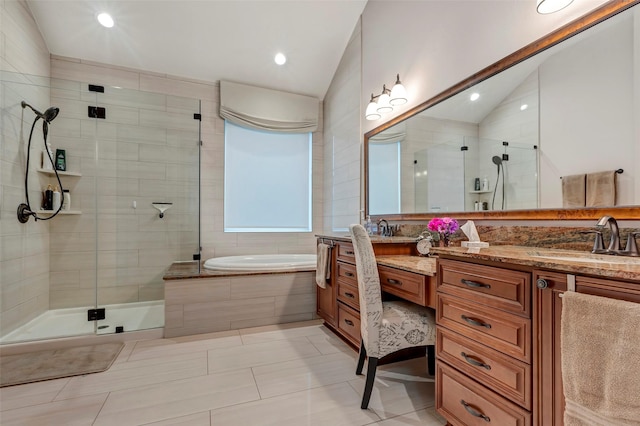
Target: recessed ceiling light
[
  {"x": 105, "y": 20},
  {"x": 280, "y": 58},
  {"x": 474, "y": 96},
  {"x": 523, "y": 107}
]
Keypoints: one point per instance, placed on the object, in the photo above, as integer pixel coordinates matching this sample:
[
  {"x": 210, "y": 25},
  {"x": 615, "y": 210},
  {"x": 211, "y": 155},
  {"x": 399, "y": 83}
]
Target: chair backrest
[{"x": 368, "y": 289}]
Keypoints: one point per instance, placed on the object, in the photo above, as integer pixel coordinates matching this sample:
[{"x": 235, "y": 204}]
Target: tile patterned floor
[{"x": 293, "y": 374}]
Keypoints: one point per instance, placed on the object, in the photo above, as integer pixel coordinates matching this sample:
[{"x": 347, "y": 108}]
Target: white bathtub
[{"x": 263, "y": 262}]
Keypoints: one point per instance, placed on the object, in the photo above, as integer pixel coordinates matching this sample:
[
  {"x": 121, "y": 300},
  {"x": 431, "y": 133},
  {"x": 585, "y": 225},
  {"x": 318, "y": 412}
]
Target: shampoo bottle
[
  {"x": 66, "y": 200},
  {"x": 57, "y": 199},
  {"x": 485, "y": 184},
  {"x": 48, "y": 198}
]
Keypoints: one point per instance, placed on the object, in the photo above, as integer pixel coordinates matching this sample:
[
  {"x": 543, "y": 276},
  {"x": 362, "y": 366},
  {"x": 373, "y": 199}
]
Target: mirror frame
[{"x": 577, "y": 26}]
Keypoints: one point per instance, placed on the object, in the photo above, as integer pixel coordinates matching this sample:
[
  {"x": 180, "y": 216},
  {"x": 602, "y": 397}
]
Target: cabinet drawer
[
  {"x": 349, "y": 323},
  {"x": 505, "y": 375},
  {"x": 464, "y": 402},
  {"x": 407, "y": 285},
  {"x": 346, "y": 272},
  {"x": 348, "y": 294},
  {"x": 497, "y": 287},
  {"x": 499, "y": 330},
  {"x": 346, "y": 253}
]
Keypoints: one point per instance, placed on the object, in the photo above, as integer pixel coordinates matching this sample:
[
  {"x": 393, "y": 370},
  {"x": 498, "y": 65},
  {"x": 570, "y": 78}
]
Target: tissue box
[{"x": 474, "y": 244}]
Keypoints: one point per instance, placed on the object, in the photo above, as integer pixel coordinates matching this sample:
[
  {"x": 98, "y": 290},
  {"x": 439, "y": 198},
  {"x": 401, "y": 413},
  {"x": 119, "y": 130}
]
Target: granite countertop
[
  {"x": 417, "y": 264},
  {"x": 374, "y": 238},
  {"x": 570, "y": 261}
]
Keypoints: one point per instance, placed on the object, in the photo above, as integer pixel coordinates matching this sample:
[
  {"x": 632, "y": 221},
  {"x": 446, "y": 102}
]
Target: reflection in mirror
[{"x": 568, "y": 110}]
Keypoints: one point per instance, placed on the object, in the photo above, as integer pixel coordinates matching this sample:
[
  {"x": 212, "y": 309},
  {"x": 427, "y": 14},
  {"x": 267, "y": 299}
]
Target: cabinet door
[
  {"x": 326, "y": 303},
  {"x": 547, "y": 308}
]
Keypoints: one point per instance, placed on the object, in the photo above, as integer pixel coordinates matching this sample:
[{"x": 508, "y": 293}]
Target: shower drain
[{"x": 102, "y": 327}]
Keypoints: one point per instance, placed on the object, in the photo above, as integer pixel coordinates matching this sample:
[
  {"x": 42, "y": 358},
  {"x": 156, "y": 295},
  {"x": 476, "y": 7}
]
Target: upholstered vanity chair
[{"x": 389, "y": 326}]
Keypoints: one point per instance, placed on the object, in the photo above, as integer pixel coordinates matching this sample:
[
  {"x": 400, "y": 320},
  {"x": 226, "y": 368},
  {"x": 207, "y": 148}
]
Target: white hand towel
[{"x": 323, "y": 269}]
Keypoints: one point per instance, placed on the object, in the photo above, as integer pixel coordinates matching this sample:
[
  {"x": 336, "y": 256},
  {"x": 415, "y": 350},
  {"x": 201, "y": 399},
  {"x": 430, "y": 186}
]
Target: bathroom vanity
[
  {"x": 498, "y": 340},
  {"x": 402, "y": 274}
]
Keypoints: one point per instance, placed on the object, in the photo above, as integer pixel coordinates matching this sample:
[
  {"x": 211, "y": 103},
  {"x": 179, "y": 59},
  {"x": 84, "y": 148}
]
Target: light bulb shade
[
  {"x": 383, "y": 101},
  {"x": 372, "y": 111},
  {"x": 398, "y": 94},
  {"x": 550, "y": 6}
]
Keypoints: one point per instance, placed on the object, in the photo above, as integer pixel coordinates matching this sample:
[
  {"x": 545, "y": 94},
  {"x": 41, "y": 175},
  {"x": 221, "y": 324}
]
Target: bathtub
[{"x": 263, "y": 263}]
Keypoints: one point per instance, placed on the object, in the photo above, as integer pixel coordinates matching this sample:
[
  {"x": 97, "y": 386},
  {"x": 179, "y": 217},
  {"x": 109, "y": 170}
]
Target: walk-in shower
[{"x": 97, "y": 266}]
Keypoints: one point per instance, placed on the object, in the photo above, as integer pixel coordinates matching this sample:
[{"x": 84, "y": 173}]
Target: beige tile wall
[
  {"x": 343, "y": 140},
  {"x": 24, "y": 259},
  {"x": 206, "y": 305}
]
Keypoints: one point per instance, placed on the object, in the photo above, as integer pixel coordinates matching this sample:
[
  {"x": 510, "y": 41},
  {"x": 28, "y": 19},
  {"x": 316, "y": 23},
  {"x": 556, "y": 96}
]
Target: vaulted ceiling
[{"x": 208, "y": 40}]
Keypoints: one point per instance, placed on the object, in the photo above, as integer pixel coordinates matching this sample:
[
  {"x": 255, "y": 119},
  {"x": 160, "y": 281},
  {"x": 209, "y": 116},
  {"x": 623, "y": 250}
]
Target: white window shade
[{"x": 266, "y": 109}]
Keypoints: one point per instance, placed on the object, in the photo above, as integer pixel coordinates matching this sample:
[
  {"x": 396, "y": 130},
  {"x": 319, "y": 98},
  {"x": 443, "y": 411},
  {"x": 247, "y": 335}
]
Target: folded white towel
[{"x": 323, "y": 268}]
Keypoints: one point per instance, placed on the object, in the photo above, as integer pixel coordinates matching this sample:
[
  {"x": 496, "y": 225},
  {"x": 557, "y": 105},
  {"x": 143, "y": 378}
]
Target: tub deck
[{"x": 189, "y": 270}]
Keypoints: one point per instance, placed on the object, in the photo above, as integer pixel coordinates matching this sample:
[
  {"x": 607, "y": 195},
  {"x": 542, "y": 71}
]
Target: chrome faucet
[{"x": 614, "y": 242}]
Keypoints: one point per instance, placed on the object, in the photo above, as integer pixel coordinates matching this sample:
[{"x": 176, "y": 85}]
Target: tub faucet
[{"x": 614, "y": 242}]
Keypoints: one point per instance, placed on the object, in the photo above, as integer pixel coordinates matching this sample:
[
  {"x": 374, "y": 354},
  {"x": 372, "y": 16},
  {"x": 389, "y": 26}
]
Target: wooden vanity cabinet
[
  {"x": 484, "y": 353},
  {"x": 338, "y": 304},
  {"x": 547, "y": 308}
]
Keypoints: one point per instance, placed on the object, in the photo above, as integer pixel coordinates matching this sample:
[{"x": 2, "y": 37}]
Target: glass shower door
[{"x": 147, "y": 201}]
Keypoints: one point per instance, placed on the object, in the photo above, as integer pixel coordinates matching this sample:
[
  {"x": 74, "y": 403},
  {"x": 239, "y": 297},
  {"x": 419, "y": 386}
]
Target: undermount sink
[{"x": 587, "y": 258}]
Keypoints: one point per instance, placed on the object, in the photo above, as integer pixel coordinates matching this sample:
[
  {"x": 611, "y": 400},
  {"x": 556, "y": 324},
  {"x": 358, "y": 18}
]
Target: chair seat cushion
[{"x": 404, "y": 325}]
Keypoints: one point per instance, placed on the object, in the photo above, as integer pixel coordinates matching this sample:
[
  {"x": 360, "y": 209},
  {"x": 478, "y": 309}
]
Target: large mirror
[{"x": 498, "y": 144}]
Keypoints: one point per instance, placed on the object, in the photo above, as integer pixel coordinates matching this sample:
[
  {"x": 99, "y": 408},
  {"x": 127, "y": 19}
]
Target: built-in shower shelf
[
  {"x": 50, "y": 212},
  {"x": 60, "y": 172},
  {"x": 480, "y": 192}
]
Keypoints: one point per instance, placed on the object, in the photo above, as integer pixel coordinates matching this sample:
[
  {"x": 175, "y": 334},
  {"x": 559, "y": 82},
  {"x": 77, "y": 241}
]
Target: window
[
  {"x": 267, "y": 181},
  {"x": 384, "y": 178}
]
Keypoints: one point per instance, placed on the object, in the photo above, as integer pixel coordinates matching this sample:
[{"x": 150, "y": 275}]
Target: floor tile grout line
[
  {"x": 101, "y": 408},
  {"x": 255, "y": 382}
]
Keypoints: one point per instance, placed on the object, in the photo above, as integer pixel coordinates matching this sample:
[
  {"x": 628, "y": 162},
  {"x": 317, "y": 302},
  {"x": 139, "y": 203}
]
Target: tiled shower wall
[
  {"x": 24, "y": 248},
  {"x": 144, "y": 151}
]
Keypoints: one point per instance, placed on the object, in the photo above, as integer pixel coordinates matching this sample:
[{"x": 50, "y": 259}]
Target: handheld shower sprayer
[
  {"x": 498, "y": 162},
  {"x": 24, "y": 209}
]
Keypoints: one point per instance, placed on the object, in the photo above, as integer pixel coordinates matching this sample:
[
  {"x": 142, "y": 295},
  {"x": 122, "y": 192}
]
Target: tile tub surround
[{"x": 209, "y": 301}]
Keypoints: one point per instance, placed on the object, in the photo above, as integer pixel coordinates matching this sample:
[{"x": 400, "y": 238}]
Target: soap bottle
[
  {"x": 66, "y": 199},
  {"x": 368, "y": 226},
  {"x": 485, "y": 184},
  {"x": 57, "y": 199},
  {"x": 47, "y": 204}
]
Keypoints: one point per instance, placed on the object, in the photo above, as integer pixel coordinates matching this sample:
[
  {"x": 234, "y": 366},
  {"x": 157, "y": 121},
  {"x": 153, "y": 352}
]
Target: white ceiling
[{"x": 208, "y": 40}]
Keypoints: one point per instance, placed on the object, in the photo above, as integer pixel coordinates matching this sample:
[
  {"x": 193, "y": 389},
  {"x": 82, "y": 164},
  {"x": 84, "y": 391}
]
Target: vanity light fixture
[
  {"x": 544, "y": 7},
  {"x": 385, "y": 101},
  {"x": 280, "y": 59},
  {"x": 105, "y": 20}
]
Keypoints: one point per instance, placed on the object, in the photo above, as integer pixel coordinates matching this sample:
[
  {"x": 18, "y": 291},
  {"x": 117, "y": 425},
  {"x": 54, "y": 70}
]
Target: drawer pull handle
[
  {"x": 475, "y": 362},
  {"x": 349, "y": 252},
  {"x": 349, "y": 322},
  {"x": 348, "y": 274},
  {"x": 475, "y": 322},
  {"x": 351, "y": 295},
  {"x": 474, "y": 413},
  {"x": 394, "y": 282},
  {"x": 474, "y": 284}
]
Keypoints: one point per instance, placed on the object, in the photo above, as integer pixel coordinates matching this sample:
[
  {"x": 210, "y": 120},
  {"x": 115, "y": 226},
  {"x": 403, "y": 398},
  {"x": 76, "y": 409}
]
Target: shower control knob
[{"x": 541, "y": 283}]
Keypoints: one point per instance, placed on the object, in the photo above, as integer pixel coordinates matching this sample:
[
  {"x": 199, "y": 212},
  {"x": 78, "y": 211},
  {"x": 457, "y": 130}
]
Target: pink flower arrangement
[{"x": 444, "y": 225}]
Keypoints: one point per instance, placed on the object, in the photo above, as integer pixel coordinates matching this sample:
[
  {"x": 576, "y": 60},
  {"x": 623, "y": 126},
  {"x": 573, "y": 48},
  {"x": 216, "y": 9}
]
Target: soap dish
[{"x": 474, "y": 244}]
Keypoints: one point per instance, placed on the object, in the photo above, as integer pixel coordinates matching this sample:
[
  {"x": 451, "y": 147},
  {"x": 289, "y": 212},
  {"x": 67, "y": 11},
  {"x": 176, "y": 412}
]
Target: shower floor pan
[{"x": 73, "y": 321}]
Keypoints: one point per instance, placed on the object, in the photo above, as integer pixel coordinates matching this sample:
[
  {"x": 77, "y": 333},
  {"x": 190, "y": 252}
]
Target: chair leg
[
  {"x": 361, "y": 358},
  {"x": 431, "y": 360},
  {"x": 368, "y": 387}
]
